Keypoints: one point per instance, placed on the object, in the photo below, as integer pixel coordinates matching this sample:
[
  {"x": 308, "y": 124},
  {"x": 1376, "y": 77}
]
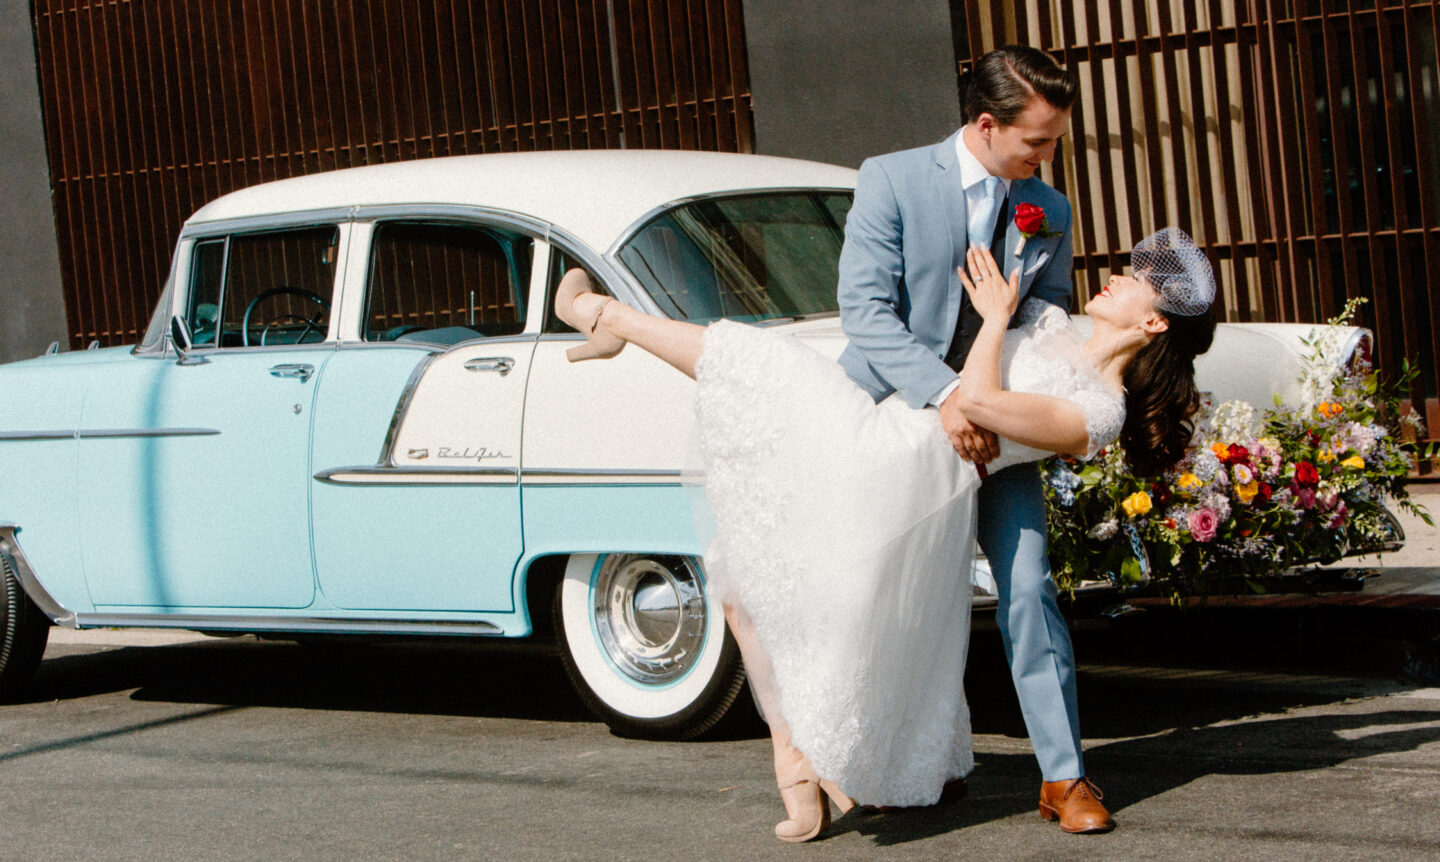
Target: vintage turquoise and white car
[{"x": 351, "y": 413}]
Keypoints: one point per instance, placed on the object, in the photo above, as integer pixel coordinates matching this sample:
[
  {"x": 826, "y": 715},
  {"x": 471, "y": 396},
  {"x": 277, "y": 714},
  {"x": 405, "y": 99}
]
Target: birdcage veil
[{"x": 1169, "y": 261}]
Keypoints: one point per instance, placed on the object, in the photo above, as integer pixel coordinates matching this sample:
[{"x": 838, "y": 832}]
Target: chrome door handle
[
  {"x": 298, "y": 371},
  {"x": 501, "y": 364}
]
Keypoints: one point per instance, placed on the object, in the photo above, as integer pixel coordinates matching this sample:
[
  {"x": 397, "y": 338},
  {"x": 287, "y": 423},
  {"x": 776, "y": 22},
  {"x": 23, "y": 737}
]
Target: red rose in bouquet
[{"x": 1306, "y": 474}]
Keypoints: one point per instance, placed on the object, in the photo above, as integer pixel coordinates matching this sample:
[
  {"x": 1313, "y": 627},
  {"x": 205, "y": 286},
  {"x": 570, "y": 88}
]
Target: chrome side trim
[
  {"x": 104, "y": 434},
  {"x": 13, "y": 560},
  {"x": 387, "y": 449},
  {"x": 391, "y": 476},
  {"x": 119, "y": 433},
  {"x": 332, "y": 625},
  {"x": 249, "y": 224},
  {"x": 585, "y": 476},
  {"x": 449, "y": 212},
  {"x": 19, "y": 436}
]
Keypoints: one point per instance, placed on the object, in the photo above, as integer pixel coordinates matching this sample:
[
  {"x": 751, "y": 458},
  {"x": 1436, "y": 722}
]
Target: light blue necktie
[{"x": 983, "y": 229}]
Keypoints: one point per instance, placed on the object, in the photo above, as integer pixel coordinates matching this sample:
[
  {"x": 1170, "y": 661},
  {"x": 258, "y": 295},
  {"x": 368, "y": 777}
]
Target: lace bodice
[{"x": 1045, "y": 356}]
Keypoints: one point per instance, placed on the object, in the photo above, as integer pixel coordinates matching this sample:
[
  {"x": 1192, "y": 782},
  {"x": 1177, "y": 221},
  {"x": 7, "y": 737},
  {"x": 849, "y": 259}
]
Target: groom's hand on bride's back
[{"x": 972, "y": 442}]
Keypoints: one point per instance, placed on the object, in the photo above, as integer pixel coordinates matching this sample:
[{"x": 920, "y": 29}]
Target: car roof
[{"x": 593, "y": 194}]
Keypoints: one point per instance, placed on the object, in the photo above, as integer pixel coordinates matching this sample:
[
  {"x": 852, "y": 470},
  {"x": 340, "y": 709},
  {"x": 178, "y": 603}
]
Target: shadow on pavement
[
  {"x": 436, "y": 679},
  {"x": 1135, "y": 770}
]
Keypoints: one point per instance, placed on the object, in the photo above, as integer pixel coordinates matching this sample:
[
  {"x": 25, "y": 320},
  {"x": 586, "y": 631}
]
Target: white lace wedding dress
[{"x": 845, "y": 529}]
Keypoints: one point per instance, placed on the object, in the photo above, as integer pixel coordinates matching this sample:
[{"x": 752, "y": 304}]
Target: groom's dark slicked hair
[{"x": 1003, "y": 81}]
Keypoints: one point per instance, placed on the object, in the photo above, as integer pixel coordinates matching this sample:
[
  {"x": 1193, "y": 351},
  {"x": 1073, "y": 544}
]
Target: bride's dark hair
[{"x": 1161, "y": 396}]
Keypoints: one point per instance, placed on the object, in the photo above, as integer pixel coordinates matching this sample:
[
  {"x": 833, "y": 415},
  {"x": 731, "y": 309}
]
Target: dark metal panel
[
  {"x": 1084, "y": 237},
  {"x": 1394, "y": 134},
  {"x": 1428, "y": 211},
  {"x": 1208, "y": 237},
  {"x": 1365, "y": 121},
  {"x": 1097, "y": 91},
  {"x": 1229, "y": 168}
]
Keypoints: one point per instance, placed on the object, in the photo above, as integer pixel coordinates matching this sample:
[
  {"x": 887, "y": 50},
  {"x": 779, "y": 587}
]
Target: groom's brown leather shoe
[{"x": 1076, "y": 804}]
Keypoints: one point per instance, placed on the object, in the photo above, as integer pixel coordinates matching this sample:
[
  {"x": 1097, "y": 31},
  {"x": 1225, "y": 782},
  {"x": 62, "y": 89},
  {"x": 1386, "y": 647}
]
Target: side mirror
[{"x": 180, "y": 337}]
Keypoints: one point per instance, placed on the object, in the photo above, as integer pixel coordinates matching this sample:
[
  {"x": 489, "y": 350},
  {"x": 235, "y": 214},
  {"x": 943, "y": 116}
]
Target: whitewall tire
[{"x": 645, "y": 646}]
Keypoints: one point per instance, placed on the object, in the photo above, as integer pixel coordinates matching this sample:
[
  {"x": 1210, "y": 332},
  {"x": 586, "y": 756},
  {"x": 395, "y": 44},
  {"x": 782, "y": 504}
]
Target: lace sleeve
[
  {"x": 1104, "y": 416},
  {"x": 1038, "y": 313}
]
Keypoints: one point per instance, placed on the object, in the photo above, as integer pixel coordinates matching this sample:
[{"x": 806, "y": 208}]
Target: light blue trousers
[{"x": 1037, "y": 641}]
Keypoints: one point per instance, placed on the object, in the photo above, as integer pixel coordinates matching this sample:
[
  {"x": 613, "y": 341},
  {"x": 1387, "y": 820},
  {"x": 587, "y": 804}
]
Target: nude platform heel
[
  {"x": 580, "y": 308},
  {"x": 808, "y": 810}
]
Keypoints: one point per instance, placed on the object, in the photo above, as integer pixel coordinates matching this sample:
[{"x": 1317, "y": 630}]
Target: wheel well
[{"x": 542, "y": 579}]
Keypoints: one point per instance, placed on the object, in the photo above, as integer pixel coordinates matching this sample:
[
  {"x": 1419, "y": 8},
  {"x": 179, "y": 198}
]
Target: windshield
[{"x": 753, "y": 257}]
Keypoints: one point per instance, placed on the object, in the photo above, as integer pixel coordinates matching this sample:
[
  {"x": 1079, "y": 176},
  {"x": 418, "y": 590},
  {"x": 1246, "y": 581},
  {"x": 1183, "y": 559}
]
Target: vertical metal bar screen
[
  {"x": 1298, "y": 141},
  {"x": 153, "y": 107}
]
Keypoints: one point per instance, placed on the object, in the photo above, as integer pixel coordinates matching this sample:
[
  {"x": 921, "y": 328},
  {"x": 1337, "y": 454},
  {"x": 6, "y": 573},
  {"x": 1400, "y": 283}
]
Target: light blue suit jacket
[{"x": 899, "y": 293}]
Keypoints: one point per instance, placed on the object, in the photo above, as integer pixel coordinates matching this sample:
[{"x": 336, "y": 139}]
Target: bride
[{"x": 837, "y": 518}]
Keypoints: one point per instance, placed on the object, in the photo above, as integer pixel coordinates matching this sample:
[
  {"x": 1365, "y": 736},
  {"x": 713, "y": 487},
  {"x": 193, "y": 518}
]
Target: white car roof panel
[{"x": 593, "y": 194}]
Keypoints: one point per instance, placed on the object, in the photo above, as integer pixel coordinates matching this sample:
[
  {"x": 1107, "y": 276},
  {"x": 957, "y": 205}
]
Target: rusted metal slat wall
[
  {"x": 153, "y": 107},
  {"x": 1298, "y": 141}
]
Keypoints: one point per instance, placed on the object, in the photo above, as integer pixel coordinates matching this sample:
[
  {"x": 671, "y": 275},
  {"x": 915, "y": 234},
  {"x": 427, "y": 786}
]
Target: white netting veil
[{"x": 1169, "y": 262}]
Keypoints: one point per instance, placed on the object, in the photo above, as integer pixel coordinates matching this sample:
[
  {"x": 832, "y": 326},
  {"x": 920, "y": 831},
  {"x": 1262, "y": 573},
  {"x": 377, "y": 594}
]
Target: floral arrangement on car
[{"x": 1255, "y": 495}]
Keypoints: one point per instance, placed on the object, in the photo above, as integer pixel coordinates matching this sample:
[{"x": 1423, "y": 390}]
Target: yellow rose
[
  {"x": 1325, "y": 456},
  {"x": 1188, "y": 482},
  {"x": 1247, "y": 492},
  {"x": 1354, "y": 462},
  {"x": 1136, "y": 504}
]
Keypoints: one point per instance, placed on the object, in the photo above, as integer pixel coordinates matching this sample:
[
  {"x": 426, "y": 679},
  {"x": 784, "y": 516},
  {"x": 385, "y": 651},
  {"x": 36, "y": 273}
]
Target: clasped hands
[{"x": 993, "y": 297}]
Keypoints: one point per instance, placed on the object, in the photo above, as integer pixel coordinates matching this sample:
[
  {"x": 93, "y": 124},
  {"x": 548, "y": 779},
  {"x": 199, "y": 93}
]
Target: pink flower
[
  {"x": 1203, "y": 523},
  {"x": 1305, "y": 497},
  {"x": 1337, "y": 517}
]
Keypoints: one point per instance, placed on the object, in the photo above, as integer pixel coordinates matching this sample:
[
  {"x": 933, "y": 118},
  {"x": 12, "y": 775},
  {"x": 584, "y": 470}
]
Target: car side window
[
  {"x": 445, "y": 283},
  {"x": 561, "y": 263},
  {"x": 261, "y": 289}
]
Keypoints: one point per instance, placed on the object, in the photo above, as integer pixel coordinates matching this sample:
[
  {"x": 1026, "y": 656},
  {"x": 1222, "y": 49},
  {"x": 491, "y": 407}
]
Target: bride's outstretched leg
[
  {"x": 802, "y": 790},
  {"x": 609, "y": 324}
]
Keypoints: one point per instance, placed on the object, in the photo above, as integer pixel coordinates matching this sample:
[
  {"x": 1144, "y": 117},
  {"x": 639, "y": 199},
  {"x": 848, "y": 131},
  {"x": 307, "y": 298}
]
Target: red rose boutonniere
[{"x": 1032, "y": 222}]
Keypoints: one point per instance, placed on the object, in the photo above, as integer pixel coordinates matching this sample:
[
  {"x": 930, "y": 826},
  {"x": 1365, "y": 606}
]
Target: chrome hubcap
[{"x": 650, "y": 615}]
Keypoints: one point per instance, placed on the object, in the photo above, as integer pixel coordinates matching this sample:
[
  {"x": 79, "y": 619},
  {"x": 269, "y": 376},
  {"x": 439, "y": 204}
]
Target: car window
[
  {"x": 261, "y": 289},
  {"x": 446, "y": 283},
  {"x": 750, "y": 257},
  {"x": 561, "y": 262}
]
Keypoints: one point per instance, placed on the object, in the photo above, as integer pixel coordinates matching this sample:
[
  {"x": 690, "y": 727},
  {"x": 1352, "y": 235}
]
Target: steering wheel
[{"x": 312, "y": 324}]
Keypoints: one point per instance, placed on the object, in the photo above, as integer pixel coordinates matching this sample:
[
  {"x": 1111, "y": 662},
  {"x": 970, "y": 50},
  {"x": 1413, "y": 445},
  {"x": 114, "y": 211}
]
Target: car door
[
  {"x": 194, "y": 476},
  {"x": 416, "y": 502}
]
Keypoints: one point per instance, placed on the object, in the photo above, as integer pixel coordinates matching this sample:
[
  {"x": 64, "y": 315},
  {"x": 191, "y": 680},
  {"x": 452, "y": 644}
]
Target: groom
[{"x": 910, "y": 326}]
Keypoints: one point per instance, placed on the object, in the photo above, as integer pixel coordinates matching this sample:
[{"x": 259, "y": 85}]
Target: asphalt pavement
[{"x": 1260, "y": 735}]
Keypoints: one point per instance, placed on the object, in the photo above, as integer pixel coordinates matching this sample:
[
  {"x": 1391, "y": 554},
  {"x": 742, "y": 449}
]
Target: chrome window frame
[
  {"x": 373, "y": 217},
  {"x": 192, "y": 232}
]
